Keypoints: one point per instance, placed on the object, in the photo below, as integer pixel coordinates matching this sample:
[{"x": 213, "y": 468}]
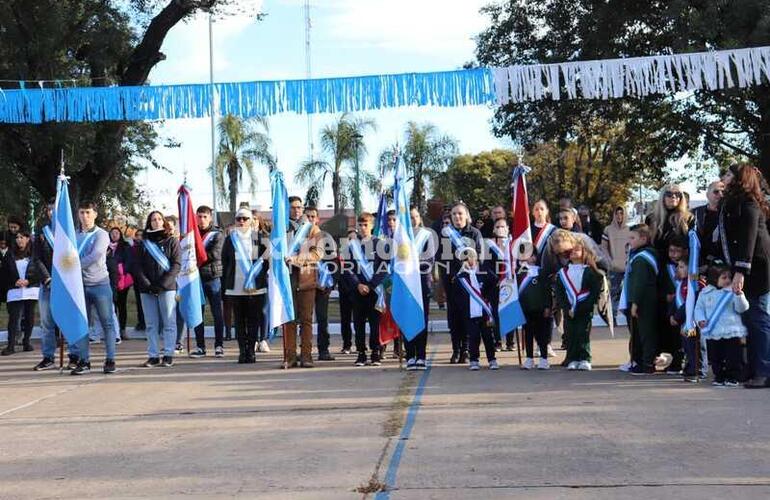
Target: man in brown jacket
[
  {"x": 303, "y": 266},
  {"x": 615, "y": 245}
]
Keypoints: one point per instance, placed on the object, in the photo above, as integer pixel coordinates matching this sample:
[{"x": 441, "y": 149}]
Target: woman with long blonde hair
[{"x": 671, "y": 218}]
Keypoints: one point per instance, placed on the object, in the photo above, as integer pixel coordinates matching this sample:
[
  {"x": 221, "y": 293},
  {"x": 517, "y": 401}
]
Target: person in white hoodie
[{"x": 718, "y": 315}]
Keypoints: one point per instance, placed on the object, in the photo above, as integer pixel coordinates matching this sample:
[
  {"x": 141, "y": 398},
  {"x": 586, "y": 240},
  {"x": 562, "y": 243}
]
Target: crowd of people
[{"x": 573, "y": 268}]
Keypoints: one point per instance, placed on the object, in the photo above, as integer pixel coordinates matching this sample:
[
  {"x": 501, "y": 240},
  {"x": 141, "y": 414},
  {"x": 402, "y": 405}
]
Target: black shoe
[
  {"x": 168, "y": 361},
  {"x": 73, "y": 362},
  {"x": 325, "y": 356},
  {"x": 8, "y": 350},
  {"x": 28, "y": 347},
  {"x": 46, "y": 364},
  {"x": 640, "y": 370},
  {"x": 109, "y": 365},
  {"x": 140, "y": 327},
  {"x": 376, "y": 360},
  {"x": 345, "y": 350},
  {"x": 463, "y": 358},
  {"x": 151, "y": 363},
  {"x": 83, "y": 368},
  {"x": 361, "y": 359},
  {"x": 454, "y": 358},
  {"x": 241, "y": 359}
]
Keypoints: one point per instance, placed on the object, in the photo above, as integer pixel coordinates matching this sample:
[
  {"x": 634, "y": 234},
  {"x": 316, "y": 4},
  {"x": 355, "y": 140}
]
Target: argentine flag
[
  {"x": 406, "y": 297},
  {"x": 281, "y": 303},
  {"x": 68, "y": 302},
  {"x": 188, "y": 282}
]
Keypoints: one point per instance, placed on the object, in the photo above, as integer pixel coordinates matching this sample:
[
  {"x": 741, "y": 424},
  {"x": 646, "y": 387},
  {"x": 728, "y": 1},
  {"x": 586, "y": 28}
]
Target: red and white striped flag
[{"x": 520, "y": 230}]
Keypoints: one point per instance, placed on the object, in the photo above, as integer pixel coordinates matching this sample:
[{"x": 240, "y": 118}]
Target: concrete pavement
[{"x": 213, "y": 429}]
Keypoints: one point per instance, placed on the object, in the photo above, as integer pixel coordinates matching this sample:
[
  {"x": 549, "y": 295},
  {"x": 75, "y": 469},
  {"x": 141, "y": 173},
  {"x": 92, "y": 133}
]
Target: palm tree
[
  {"x": 341, "y": 142},
  {"x": 426, "y": 155},
  {"x": 242, "y": 145}
]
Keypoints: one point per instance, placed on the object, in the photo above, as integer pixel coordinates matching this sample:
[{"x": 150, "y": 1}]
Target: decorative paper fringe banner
[
  {"x": 331, "y": 95},
  {"x": 633, "y": 76},
  {"x": 603, "y": 79}
]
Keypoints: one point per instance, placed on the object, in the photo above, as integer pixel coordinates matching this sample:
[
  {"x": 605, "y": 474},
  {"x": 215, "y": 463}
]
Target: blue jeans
[
  {"x": 757, "y": 321},
  {"x": 616, "y": 286},
  {"x": 160, "y": 318},
  {"x": 100, "y": 298},
  {"x": 47, "y": 325},
  {"x": 689, "y": 345},
  {"x": 213, "y": 292}
]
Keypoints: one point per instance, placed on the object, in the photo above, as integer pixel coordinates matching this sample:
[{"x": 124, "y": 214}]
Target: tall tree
[
  {"x": 426, "y": 155},
  {"x": 242, "y": 143},
  {"x": 342, "y": 143},
  {"x": 91, "y": 43}
]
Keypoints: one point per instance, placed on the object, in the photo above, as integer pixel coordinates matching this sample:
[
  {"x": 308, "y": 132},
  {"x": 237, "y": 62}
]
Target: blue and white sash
[
  {"x": 679, "y": 300},
  {"x": 420, "y": 239},
  {"x": 87, "y": 237},
  {"x": 542, "y": 237},
  {"x": 475, "y": 295},
  {"x": 650, "y": 259},
  {"x": 209, "y": 238},
  {"x": 671, "y": 268},
  {"x": 722, "y": 304},
  {"x": 454, "y": 236},
  {"x": 574, "y": 294},
  {"x": 48, "y": 234},
  {"x": 157, "y": 254},
  {"x": 249, "y": 269},
  {"x": 299, "y": 238},
  {"x": 325, "y": 277},
  {"x": 646, "y": 255},
  {"x": 504, "y": 255},
  {"x": 367, "y": 269},
  {"x": 532, "y": 273}
]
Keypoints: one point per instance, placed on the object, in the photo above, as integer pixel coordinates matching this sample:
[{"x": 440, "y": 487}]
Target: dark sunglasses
[
  {"x": 672, "y": 194},
  {"x": 242, "y": 218}
]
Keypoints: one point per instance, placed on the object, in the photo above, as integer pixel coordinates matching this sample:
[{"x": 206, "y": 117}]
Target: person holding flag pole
[
  {"x": 210, "y": 273},
  {"x": 425, "y": 246},
  {"x": 67, "y": 294}
]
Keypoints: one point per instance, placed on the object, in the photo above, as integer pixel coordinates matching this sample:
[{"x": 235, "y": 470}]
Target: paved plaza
[{"x": 214, "y": 429}]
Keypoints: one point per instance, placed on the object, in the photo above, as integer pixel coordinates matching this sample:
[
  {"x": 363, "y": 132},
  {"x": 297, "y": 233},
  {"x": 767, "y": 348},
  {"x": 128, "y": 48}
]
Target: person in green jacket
[
  {"x": 641, "y": 298},
  {"x": 577, "y": 290}
]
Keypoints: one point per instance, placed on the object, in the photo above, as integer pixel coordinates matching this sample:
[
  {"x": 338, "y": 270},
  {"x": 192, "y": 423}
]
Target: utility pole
[
  {"x": 213, "y": 119},
  {"x": 357, "y": 197},
  {"x": 308, "y": 76}
]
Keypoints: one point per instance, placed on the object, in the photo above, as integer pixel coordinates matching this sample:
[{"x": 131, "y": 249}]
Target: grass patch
[{"x": 373, "y": 486}]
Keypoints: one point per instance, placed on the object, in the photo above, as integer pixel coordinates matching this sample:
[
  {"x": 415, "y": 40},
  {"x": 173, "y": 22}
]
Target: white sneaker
[
  {"x": 118, "y": 340},
  {"x": 219, "y": 352},
  {"x": 584, "y": 366},
  {"x": 543, "y": 364},
  {"x": 475, "y": 366},
  {"x": 493, "y": 365},
  {"x": 626, "y": 367},
  {"x": 263, "y": 346},
  {"x": 94, "y": 340},
  {"x": 551, "y": 354},
  {"x": 573, "y": 365},
  {"x": 258, "y": 347},
  {"x": 529, "y": 363},
  {"x": 411, "y": 365},
  {"x": 663, "y": 361}
]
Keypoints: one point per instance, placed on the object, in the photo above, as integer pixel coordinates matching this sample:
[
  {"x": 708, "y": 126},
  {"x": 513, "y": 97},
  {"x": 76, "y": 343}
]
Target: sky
[{"x": 348, "y": 38}]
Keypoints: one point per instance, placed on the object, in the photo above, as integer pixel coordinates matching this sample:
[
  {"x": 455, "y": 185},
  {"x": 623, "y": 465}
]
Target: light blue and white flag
[
  {"x": 68, "y": 302},
  {"x": 281, "y": 309},
  {"x": 188, "y": 282},
  {"x": 406, "y": 297},
  {"x": 692, "y": 284}
]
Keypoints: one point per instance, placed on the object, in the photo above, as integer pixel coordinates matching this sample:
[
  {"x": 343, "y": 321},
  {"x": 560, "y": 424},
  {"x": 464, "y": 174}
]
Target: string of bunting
[{"x": 601, "y": 79}]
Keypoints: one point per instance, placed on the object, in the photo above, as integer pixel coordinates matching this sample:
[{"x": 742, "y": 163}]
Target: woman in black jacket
[
  {"x": 120, "y": 251},
  {"x": 746, "y": 247},
  {"x": 155, "y": 270},
  {"x": 21, "y": 280}
]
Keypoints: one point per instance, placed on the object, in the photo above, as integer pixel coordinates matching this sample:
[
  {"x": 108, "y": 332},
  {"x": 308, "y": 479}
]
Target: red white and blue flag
[
  {"x": 520, "y": 230},
  {"x": 193, "y": 254}
]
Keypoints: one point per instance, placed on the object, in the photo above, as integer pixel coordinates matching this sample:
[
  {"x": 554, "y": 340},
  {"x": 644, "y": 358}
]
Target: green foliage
[
  {"x": 640, "y": 136},
  {"x": 342, "y": 145},
  {"x": 242, "y": 144},
  {"x": 482, "y": 180},
  {"x": 426, "y": 154}
]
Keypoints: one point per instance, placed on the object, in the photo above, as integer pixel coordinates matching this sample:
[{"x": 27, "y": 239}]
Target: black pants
[
  {"x": 17, "y": 310},
  {"x": 121, "y": 299},
  {"x": 346, "y": 318},
  {"x": 139, "y": 312},
  {"x": 322, "y": 319},
  {"x": 669, "y": 338},
  {"x": 726, "y": 358},
  {"x": 455, "y": 321},
  {"x": 478, "y": 332},
  {"x": 537, "y": 328},
  {"x": 417, "y": 347},
  {"x": 363, "y": 313},
  {"x": 247, "y": 316}
]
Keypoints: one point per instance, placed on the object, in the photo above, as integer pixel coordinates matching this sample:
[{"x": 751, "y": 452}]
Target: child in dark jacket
[
  {"x": 535, "y": 299},
  {"x": 477, "y": 284},
  {"x": 677, "y": 319},
  {"x": 640, "y": 300},
  {"x": 577, "y": 290}
]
